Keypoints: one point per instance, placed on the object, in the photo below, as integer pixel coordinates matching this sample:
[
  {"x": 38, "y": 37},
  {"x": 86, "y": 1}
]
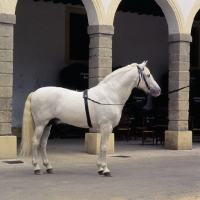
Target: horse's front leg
[
  {"x": 43, "y": 144},
  {"x": 101, "y": 162}
]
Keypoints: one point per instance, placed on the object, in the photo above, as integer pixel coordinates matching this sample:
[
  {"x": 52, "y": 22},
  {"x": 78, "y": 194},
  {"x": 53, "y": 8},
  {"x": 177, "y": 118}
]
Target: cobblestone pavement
[{"x": 139, "y": 173}]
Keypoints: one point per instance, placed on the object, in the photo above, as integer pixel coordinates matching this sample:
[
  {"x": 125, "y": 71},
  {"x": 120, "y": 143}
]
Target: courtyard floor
[{"x": 139, "y": 172}]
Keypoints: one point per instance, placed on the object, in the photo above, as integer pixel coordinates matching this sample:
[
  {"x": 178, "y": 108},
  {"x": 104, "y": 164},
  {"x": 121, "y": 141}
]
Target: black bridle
[{"x": 142, "y": 77}]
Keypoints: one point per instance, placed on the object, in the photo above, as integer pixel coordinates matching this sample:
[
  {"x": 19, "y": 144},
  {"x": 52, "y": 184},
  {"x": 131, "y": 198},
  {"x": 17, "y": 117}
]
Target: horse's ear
[{"x": 142, "y": 65}]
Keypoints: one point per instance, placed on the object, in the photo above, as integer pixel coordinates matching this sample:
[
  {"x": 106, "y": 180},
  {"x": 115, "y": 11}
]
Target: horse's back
[{"x": 55, "y": 102}]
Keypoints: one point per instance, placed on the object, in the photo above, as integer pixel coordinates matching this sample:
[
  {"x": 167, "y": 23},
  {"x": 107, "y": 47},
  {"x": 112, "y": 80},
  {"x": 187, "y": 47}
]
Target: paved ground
[{"x": 144, "y": 173}]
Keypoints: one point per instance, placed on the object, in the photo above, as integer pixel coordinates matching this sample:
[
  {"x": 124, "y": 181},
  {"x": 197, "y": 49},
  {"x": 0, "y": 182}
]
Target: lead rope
[
  {"x": 179, "y": 88},
  {"x": 134, "y": 103}
]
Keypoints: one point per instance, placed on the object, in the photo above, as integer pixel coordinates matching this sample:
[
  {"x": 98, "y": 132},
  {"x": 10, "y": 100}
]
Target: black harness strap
[{"x": 85, "y": 96}]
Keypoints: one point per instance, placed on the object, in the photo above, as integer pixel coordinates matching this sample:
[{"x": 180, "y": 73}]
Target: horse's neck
[{"x": 122, "y": 84}]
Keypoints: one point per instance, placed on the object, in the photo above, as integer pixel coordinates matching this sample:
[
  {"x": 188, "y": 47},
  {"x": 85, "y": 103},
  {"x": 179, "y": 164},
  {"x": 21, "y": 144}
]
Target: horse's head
[{"x": 146, "y": 81}]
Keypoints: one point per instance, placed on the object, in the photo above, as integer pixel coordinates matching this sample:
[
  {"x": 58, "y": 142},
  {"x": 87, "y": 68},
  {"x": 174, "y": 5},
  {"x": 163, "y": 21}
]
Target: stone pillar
[
  {"x": 8, "y": 147},
  {"x": 100, "y": 54},
  {"x": 178, "y": 137},
  {"x": 100, "y": 65}
]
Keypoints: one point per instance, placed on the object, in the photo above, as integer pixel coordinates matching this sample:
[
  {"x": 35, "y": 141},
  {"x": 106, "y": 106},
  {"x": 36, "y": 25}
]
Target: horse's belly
[
  {"x": 71, "y": 110},
  {"x": 73, "y": 115}
]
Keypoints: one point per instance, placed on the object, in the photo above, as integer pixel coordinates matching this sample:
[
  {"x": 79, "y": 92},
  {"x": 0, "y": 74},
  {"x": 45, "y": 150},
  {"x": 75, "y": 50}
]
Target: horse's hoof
[
  {"x": 100, "y": 172},
  {"x": 50, "y": 171},
  {"x": 38, "y": 172},
  {"x": 107, "y": 174}
]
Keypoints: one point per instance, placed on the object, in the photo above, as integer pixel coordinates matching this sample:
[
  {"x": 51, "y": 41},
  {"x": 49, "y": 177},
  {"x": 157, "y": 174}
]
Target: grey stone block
[
  {"x": 102, "y": 52},
  {"x": 6, "y": 67},
  {"x": 6, "y": 80},
  {"x": 178, "y": 125},
  {"x": 6, "y": 30},
  {"x": 178, "y": 105},
  {"x": 182, "y": 96},
  {"x": 179, "y": 48},
  {"x": 180, "y": 37},
  {"x": 5, "y": 92},
  {"x": 179, "y": 58},
  {"x": 6, "y": 104},
  {"x": 6, "y": 43},
  {"x": 6, "y": 56},
  {"x": 178, "y": 115},
  {"x": 174, "y": 85},
  {"x": 94, "y": 81},
  {"x": 5, "y": 116},
  {"x": 104, "y": 29},
  {"x": 100, "y": 42},
  {"x": 99, "y": 72},
  {"x": 179, "y": 66},
  {"x": 179, "y": 76},
  {"x": 102, "y": 62},
  {"x": 7, "y": 18},
  {"x": 5, "y": 128}
]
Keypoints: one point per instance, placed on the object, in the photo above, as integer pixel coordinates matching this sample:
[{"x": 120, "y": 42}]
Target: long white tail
[{"x": 28, "y": 127}]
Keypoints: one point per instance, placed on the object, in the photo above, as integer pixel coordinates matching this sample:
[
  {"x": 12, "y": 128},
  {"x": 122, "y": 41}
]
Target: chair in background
[
  {"x": 195, "y": 127},
  {"x": 138, "y": 131},
  {"x": 123, "y": 128},
  {"x": 138, "y": 127},
  {"x": 161, "y": 125},
  {"x": 148, "y": 130}
]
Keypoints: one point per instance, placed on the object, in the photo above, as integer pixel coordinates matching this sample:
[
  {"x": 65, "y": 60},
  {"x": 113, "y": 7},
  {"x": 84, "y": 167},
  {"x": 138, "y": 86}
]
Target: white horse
[{"x": 56, "y": 104}]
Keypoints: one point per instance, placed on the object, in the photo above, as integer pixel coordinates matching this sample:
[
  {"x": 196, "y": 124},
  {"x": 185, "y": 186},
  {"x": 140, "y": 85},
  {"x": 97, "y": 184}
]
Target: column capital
[
  {"x": 101, "y": 29},
  {"x": 182, "y": 37},
  {"x": 7, "y": 18}
]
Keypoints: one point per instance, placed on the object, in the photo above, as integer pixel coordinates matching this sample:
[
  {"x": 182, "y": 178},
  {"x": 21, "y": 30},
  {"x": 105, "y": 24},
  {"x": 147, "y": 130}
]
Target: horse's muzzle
[{"x": 155, "y": 92}]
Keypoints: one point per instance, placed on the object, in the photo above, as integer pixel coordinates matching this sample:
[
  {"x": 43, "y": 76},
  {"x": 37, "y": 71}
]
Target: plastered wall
[{"x": 39, "y": 47}]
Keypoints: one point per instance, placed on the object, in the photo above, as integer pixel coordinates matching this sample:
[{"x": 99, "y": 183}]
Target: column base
[
  {"x": 92, "y": 143},
  {"x": 8, "y": 147},
  {"x": 178, "y": 140}
]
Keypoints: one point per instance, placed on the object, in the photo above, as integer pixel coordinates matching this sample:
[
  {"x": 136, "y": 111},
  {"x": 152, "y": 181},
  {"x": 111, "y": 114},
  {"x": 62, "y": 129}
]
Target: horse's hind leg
[
  {"x": 43, "y": 144},
  {"x": 101, "y": 162},
  {"x": 36, "y": 141}
]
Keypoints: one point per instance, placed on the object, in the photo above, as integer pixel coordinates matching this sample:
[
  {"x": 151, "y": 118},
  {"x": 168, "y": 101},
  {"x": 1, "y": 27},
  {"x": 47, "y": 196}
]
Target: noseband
[{"x": 142, "y": 77}]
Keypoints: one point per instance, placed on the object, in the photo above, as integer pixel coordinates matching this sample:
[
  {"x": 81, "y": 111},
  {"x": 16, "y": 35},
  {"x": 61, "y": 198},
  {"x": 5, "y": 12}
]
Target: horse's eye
[{"x": 148, "y": 75}]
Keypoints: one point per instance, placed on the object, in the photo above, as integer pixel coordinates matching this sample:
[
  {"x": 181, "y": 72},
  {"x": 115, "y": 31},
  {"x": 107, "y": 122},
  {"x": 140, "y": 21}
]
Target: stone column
[
  {"x": 8, "y": 147},
  {"x": 178, "y": 137},
  {"x": 100, "y": 65},
  {"x": 100, "y": 54}
]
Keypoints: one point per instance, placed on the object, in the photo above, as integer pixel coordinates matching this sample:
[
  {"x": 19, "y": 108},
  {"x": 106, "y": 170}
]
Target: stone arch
[
  {"x": 112, "y": 10},
  {"x": 191, "y": 15},
  {"x": 8, "y": 7},
  {"x": 102, "y": 16},
  {"x": 93, "y": 17},
  {"x": 174, "y": 16}
]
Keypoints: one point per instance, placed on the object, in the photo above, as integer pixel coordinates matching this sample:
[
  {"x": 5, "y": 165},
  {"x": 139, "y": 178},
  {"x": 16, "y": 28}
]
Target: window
[{"x": 77, "y": 38}]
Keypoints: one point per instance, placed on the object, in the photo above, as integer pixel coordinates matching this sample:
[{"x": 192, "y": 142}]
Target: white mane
[{"x": 118, "y": 71}]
